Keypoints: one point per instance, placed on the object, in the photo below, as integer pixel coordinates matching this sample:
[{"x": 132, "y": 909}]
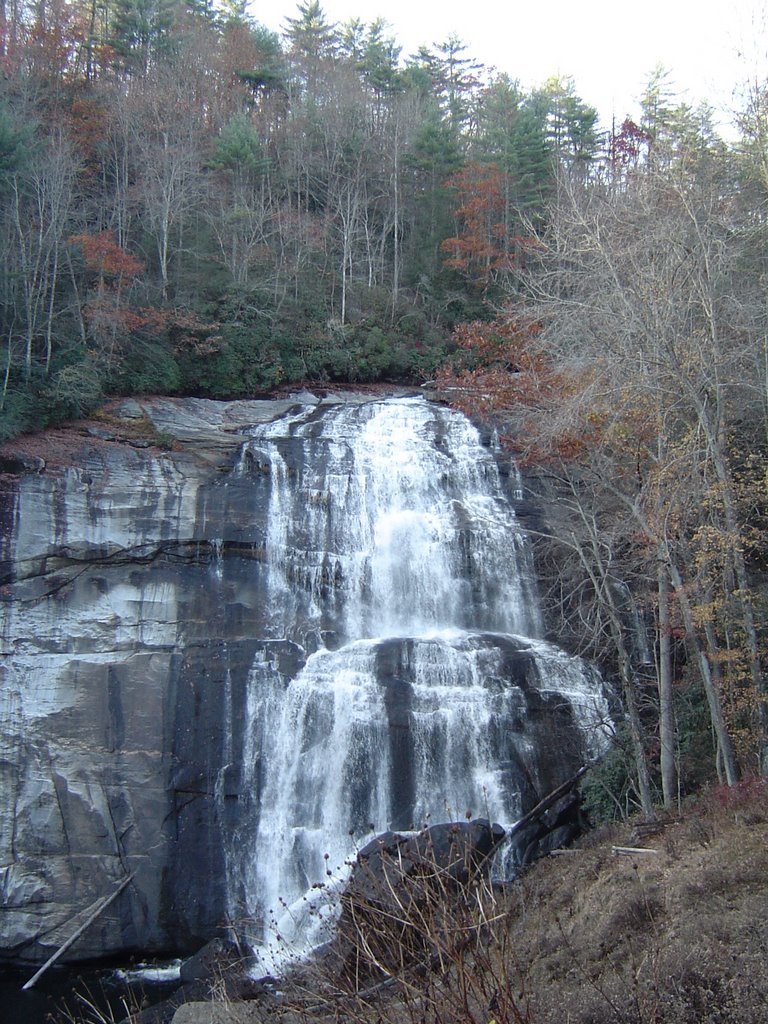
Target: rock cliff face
[
  {"x": 139, "y": 627},
  {"x": 120, "y": 633}
]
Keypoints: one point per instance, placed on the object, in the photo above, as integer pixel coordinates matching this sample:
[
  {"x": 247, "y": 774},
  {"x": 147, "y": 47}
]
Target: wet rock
[{"x": 17, "y": 464}]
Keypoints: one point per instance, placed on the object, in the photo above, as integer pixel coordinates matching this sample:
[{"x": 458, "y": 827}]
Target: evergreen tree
[
  {"x": 16, "y": 140},
  {"x": 352, "y": 40},
  {"x": 233, "y": 12},
  {"x": 657, "y": 104},
  {"x": 571, "y": 125},
  {"x": 434, "y": 156},
  {"x": 312, "y": 41},
  {"x": 457, "y": 81},
  {"x": 269, "y": 73},
  {"x": 530, "y": 164},
  {"x": 379, "y": 60},
  {"x": 141, "y": 32},
  {"x": 239, "y": 148},
  {"x": 511, "y": 132}
]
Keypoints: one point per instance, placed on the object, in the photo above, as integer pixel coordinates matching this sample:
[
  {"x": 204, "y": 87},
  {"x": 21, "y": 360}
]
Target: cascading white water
[
  {"x": 387, "y": 519},
  {"x": 393, "y": 544}
]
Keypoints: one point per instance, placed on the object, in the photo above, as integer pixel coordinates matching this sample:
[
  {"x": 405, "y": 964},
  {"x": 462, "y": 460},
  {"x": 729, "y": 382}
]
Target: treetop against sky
[{"x": 609, "y": 49}]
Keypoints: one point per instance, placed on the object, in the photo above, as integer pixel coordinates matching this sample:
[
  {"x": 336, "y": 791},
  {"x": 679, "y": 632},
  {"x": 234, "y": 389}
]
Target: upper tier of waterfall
[{"x": 390, "y": 518}]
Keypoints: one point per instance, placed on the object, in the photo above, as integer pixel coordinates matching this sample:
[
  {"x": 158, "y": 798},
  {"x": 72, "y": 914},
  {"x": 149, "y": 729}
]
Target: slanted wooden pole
[
  {"x": 101, "y": 906},
  {"x": 547, "y": 802}
]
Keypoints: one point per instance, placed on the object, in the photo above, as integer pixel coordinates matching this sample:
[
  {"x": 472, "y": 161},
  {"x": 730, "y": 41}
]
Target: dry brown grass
[
  {"x": 668, "y": 938},
  {"x": 675, "y": 937}
]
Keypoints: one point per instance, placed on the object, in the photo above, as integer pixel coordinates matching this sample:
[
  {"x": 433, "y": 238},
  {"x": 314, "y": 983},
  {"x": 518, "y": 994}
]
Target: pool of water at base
[{"x": 84, "y": 995}]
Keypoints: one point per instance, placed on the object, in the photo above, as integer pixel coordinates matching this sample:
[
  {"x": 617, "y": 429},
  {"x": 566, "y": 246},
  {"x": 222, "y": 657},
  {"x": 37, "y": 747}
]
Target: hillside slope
[{"x": 677, "y": 936}]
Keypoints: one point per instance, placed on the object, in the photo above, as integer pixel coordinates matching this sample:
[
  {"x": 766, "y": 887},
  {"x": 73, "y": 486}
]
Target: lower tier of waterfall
[{"x": 397, "y": 733}]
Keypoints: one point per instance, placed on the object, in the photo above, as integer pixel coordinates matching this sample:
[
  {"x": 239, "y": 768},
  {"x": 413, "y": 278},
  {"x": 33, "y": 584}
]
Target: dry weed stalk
[{"x": 419, "y": 942}]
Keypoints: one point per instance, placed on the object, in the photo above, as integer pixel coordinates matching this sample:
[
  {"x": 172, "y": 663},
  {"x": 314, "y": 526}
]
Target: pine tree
[
  {"x": 141, "y": 32},
  {"x": 312, "y": 40},
  {"x": 457, "y": 81},
  {"x": 434, "y": 156},
  {"x": 511, "y": 132},
  {"x": 571, "y": 125}
]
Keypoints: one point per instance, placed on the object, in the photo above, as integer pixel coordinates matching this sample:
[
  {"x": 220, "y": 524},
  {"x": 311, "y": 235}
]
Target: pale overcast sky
[{"x": 609, "y": 48}]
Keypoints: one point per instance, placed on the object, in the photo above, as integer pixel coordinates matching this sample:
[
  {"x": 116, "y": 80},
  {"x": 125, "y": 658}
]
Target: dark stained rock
[
  {"x": 17, "y": 464},
  {"x": 215, "y": 959},
  {"x": 558, "y": 826},
  {"x": 454, "y": 852}
]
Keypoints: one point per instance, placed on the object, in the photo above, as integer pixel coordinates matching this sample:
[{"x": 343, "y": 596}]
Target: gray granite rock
[
  {"x": 138, "y": 629},
  {"x": 130, "y": 616},
  {"x": 218, "y": 1013}
]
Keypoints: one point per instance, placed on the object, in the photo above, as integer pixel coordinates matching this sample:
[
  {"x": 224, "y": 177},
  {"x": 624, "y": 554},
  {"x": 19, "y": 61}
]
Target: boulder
[
  {"x": 217, "y": 959},
  {"x": 453, "y": 853},
  {"x": 217, "y": 976},
  {"x": 411, "y": 896},
  {"x": 217, "y": 1013}
]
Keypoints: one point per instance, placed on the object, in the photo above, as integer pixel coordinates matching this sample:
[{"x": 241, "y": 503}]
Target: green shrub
[
  {"x": 148, "y": 367},
  {"x": 75, "y": 390}
]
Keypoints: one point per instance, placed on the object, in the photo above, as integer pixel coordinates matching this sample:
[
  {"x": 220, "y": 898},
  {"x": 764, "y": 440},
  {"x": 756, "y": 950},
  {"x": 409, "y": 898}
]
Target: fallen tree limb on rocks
[
  {"x": 547, "y": 802},
  {"x": 100, "y": 906}
]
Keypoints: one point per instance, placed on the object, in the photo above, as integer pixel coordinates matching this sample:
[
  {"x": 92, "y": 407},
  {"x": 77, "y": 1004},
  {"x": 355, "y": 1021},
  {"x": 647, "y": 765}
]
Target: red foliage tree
[
  {"x": 627, "y": 146},
  {"x": 108, "y": 260},
  {"x": 481, "y": 247}
]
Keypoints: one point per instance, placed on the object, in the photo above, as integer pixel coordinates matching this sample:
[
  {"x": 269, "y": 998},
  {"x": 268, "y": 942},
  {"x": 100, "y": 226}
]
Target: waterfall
[{"x": 394, "y": 557}]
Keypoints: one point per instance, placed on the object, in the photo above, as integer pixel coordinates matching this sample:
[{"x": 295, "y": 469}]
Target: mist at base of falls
[{"x": 394, "y": 555}]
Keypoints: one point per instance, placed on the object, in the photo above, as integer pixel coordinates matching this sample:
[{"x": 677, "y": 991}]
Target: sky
[{"x": 609, "y": 48}]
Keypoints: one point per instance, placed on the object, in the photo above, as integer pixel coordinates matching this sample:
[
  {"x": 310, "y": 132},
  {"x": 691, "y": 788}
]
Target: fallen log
[
  {"x": 630, "y": 851},
  {"x": 547, "y": 802},
  {"x": 101, "y": 905}
]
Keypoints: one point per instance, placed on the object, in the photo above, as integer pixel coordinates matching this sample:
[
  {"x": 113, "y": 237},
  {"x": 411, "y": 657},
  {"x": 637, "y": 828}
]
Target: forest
[{"x": 191, "y": 204}]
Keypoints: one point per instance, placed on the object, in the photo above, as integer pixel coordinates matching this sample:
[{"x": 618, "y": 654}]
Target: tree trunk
[
  {"x": 595, "y": 567},
  {"x": 710, "y": 690},
  {"x": 666, "y": 708}
]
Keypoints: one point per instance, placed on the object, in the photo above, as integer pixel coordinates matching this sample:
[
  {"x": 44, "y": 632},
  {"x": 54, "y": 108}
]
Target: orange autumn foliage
[
  {"x": 501, "y": 369},
  {"x": 482, "y": 246},
  {"x": 106, "y": 258}
]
